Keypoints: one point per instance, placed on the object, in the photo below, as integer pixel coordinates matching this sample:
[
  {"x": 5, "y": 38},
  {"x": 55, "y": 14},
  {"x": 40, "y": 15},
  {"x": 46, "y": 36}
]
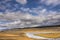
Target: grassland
[{"x": 19, "y": 34}]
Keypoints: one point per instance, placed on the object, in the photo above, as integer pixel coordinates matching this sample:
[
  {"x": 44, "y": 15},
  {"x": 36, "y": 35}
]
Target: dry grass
[
  {"x": 19, "y": 34},
  {"x": 49, "y": 35}
]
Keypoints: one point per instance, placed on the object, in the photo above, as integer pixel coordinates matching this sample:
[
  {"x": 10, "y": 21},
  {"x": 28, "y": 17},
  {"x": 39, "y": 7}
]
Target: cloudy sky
[{"x": 29, "y": 13}]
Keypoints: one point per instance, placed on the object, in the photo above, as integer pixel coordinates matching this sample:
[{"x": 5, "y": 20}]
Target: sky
[{"x": 29, "y": 13}]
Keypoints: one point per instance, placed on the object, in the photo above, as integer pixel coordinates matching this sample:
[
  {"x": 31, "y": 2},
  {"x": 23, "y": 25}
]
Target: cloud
[
  {"x": 51, "y": 2},
  {"x": 22, "y": 1},
  {"x": 24, "y": 19},
  {"x": 44, "y": 16}
]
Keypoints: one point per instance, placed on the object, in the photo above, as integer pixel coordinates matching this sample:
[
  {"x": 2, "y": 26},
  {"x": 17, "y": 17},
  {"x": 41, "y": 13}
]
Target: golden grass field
[{"x": 19, "y": 34}]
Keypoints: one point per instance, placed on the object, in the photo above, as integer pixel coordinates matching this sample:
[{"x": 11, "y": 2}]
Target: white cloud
[
  {"x": 22, "y": 1},
  {"x": 25, "y": 19},
  {"x": 49, "y": 2}
]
